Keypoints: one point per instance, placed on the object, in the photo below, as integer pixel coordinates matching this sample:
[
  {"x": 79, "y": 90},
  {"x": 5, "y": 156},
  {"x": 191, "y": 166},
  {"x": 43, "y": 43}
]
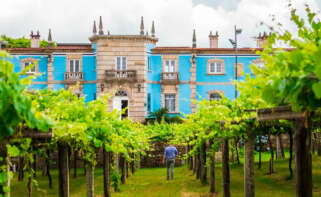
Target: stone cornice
[{"x": 94, "y": 38}]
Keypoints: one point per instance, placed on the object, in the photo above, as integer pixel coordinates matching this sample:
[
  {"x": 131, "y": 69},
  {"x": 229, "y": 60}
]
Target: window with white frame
[
  {"x": 215, "y": 96},
  {"x": 74, "y": 65},
  {"x": 169, "y": 66},
  {"x": 31, "y": 70},
  {"x": 121, "y": 63},
  {"x": 170, "y": 102},
  {"x": 215, "y": 68}
]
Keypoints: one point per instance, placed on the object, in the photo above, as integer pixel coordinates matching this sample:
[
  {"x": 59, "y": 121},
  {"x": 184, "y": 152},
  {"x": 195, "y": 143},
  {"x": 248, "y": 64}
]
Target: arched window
[
  {"x": 215, "y": 96},
  {"x": 121, "y": 93}
]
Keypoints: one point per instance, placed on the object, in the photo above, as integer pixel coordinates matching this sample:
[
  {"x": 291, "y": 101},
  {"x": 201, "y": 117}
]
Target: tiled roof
[
  {"x": 59, "y": 48},
  {"x": 207, "y": 50}
]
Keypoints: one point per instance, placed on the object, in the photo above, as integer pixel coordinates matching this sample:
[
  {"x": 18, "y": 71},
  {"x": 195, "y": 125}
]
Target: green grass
[{"x": 151, "y": 182}]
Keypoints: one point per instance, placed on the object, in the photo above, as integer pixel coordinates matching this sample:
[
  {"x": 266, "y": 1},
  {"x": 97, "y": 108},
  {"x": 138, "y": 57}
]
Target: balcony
[
  {"x": 120, "y": 75},
  {"x": 170, "y": 78},
  {"x": 73, "y": 77}
]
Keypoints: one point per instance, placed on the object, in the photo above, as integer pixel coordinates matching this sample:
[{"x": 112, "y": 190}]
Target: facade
[{"x": 139, "y": 75}]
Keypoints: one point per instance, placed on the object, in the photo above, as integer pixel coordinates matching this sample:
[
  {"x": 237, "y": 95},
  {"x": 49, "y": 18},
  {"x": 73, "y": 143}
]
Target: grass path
[{"x": 151, "y": 182}]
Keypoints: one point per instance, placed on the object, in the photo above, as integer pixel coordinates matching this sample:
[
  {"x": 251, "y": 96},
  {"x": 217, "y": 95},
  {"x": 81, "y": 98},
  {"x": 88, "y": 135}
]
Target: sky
[{"x": 72, "y": 20}]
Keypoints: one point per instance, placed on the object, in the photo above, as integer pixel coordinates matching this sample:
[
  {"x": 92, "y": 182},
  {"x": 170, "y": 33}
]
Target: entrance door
[{"x": 120, "y": 103}]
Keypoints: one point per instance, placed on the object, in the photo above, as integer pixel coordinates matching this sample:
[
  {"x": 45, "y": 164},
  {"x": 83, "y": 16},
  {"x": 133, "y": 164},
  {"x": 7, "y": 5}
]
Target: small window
[
  {"x": 31, "y": 70},
  {"x": 121, "y": 63},
  {"x": 149, "y": 102},
  {"x": 169, "y": 65},
  {"x": 170, "y": 102},
  {"x": 95, "y": 96},
  {"x": 74, "y": 66},
  {"x": 215, "y": 96}
]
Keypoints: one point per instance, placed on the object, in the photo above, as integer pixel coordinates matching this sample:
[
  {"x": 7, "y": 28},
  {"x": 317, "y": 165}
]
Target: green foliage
[
  {"x": 292, "y": 77},
  {"x": 163, "y": 114},
  {"x": 21, "y": 42},
  {"x": 15, "y": 105}
]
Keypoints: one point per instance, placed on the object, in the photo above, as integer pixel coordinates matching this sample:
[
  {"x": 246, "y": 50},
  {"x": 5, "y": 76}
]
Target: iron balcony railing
[
  {"x": 170, "y": 77},
  {"x": 74, "y": 76},
  {"x": 120, "y": 75}
]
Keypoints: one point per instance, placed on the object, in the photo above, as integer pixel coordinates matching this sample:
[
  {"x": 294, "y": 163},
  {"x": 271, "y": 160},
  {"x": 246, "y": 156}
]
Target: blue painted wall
[
  {"x": 58, "y": 86},
  {"x": 156, "y": 68},
  {"x": 59, "y": 65},
  {"x": 184, "y": 67},
  {"x": 155, "y": 91},
  {"x": 89, "y": 67},
  {"x": 184, "y": 98},
  {"x": 89, "y": 91}
]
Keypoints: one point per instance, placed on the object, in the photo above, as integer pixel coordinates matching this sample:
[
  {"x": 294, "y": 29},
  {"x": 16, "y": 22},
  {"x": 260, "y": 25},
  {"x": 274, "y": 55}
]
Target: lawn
[{"x": 151, "y": 182}]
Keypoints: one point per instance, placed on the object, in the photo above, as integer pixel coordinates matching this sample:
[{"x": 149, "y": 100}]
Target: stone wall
[{"x": 154, "y": 157}]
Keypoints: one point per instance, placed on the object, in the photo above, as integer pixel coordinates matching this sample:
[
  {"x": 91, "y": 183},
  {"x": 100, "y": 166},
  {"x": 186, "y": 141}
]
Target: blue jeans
[{"x": 170, "y": 165}]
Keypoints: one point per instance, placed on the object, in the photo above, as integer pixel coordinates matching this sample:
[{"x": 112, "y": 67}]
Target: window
[
  {"x": 121, "y": 63},
  {"x": 31, "y": 70},
  {"x": 95, "y": 96},
  {"x": 215, "y": 96},
  {"x": 74, "y": 66},
  {"x": 215, "y": 67},
  {"x": 149, "y": 68},
  {"x": 149, "y": 102},
  {"x": 170, "y": 102},
  {"x": 169, "y": 65}
]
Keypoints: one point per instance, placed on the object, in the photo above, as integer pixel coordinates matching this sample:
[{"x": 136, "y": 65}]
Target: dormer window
[
  {"x": 215, "y": 67},
  {"x": 121, "y": 63}
]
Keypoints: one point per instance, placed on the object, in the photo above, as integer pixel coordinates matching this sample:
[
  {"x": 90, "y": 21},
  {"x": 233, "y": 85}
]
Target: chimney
[
  {"x": 213, "y": 40},
  {"x": 261, "y": 39},
  {"x": 35, "y": 40}
]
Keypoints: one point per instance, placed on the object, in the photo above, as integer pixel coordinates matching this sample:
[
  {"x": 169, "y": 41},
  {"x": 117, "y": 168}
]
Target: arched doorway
[{"x": 120, "y": 103}]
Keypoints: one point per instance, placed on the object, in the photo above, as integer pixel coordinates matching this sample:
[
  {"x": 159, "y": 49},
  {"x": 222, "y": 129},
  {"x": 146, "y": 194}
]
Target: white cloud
[{"x": 71, "y": 21}]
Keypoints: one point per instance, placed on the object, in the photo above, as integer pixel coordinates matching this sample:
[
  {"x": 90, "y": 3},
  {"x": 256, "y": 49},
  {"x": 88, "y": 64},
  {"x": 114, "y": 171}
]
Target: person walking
[{"x": 169, "y": 155}]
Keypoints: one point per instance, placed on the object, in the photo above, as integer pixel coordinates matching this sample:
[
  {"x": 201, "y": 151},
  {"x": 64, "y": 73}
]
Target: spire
[
  {"x": 94, "y": 28},
  {"x": 142, "y": 26},
  {"x": 153, "y": 29},
  {"x": 101, "y": 32},
  {"x": 194, "y": 39},
  {"x": 49, "y": 36},
  {"x": 50, "y": 42},
  {"x": 146, "y": 33}
]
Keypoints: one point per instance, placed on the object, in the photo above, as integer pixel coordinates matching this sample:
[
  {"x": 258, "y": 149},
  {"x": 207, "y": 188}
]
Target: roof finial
[
  {"x": 146, "y": 33},
  {"x": 211, "y": 33},
  {"x": 142, "y": 26},
  {"x": 194, "y": 39},
  {"x": 49, "y": 36},
  {"x": 94, "y": 28},
  {"x": 153, "y": 29},
  {"x": 101, "y": 32}
]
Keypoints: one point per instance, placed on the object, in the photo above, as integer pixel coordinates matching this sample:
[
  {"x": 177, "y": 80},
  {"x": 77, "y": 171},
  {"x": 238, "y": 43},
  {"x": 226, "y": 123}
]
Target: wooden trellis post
[{"x": 63, "y": 164}]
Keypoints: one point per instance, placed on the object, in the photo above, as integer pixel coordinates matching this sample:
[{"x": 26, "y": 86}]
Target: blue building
[{"x": 139, "y": 75}]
